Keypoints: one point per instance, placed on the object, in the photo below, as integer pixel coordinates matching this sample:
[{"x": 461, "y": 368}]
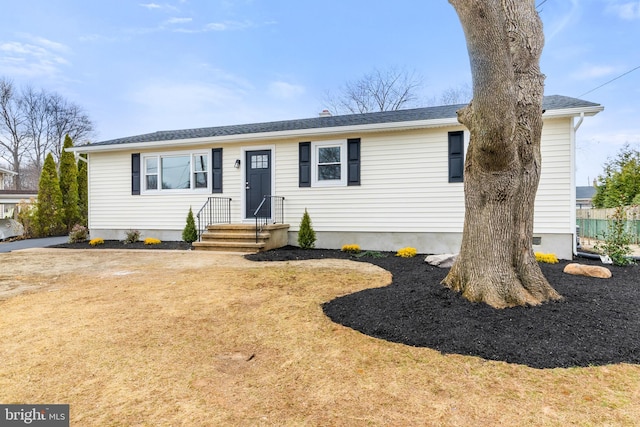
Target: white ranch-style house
[{"x": 382, "y": 180}]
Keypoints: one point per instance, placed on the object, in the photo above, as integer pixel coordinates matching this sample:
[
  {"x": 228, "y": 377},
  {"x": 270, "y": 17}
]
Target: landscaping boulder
[
  {"x": 10, "y": 228},
  {"x": 442, "y": 260},
  {"x": 588, "y": 270}
]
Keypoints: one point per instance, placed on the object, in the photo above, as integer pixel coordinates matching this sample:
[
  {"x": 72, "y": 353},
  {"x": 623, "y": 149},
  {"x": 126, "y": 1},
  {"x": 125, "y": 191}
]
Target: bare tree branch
[{"x": 380, "y": 90}]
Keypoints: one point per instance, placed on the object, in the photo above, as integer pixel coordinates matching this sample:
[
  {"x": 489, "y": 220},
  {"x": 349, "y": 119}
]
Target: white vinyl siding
[
  {"x": 113, "y": 207},
  {"x": 404, "y": 187},
  {"x": 554, "y": 206}
]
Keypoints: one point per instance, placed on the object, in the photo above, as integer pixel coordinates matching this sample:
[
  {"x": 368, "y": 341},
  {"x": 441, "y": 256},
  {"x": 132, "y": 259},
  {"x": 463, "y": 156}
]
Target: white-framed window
[
  {"x": 329, "y": 163},
  {"x": 175, "y": 172}
]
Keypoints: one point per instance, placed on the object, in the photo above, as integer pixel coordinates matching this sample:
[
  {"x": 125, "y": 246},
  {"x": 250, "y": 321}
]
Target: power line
[
  {"x": 613, "y": 79},
  {"x": 541, "y": 3}
]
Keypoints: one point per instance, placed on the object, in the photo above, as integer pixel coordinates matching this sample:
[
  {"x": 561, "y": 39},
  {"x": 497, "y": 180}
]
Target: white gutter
[{"x": 304, "y": 133}]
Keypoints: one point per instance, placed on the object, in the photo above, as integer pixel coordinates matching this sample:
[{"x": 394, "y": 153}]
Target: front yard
[{"x": 163, "y": 338}]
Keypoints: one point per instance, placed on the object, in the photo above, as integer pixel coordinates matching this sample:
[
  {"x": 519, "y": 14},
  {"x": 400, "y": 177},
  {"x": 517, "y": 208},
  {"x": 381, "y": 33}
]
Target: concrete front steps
[{"x": 242, "y": 238}]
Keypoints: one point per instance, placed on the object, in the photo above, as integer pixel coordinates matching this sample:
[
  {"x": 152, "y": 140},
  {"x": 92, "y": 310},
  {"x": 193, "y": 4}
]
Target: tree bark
[{"x": 497, "y": 264}]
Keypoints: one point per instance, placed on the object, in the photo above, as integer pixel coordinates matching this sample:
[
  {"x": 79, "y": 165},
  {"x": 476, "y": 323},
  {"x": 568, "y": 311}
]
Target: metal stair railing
[
  {"x": 276, "y": 203},
  {"x": 216, "y": 210}
]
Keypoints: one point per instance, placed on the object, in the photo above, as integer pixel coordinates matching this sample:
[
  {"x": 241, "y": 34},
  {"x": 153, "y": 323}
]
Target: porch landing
[{"x": 242, "y": 238}]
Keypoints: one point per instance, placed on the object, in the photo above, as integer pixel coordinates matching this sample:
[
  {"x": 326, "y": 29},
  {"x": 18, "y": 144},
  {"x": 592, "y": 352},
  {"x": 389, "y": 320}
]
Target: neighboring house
[
  {"x": 9, "y": 199},
  {"x": 381, "y": 180},
  {"x": 4, "y": 174},
  {"x": 584, "y": 195}
]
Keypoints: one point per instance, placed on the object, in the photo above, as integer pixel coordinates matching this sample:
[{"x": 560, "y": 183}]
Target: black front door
[{"x": 258, "y": 182}]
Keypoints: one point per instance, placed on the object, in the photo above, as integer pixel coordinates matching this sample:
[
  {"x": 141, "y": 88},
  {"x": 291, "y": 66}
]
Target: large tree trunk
[{"x": 496, "y": 264}]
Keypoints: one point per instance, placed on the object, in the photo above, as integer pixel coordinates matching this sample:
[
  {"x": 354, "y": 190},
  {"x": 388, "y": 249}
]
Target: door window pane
[{"x": 259, "y": 161}]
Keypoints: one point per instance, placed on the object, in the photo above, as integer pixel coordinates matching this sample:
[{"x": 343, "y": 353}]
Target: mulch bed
[{"x": 597, "y": 323}]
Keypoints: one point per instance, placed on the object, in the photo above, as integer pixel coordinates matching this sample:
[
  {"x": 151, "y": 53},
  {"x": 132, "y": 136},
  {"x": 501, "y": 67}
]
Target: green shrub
[
  {"x": 370, "y": 254},
  {"x": 69, "y": 186},
  {"x": 49, "y": 214},
  {"x": 79, "y": 233},
  {"x": 190, "y": 232},
  {"x": 132, "y": 236},
  {"x": 26, "y": 217},
  {"x": 616, "y": 240},
  {"x": 306, "y": 235}
]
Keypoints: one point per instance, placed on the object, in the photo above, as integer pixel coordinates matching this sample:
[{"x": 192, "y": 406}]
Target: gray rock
[{"x": 442, "y": 260}]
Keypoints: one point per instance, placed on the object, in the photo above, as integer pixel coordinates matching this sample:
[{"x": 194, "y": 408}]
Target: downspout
[
  {"x": 573, "y": 183},
  {"x": 577, "y": 125}
]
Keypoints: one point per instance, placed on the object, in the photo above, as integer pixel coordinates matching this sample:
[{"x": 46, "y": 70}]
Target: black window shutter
[
  {"x": 304, "y": 164},
  {"x": 353, "y": 161},
  {"x": 135, "y": 174},
  {"x": 216, "y": 170},
  {"x": 456, "y": 156}
]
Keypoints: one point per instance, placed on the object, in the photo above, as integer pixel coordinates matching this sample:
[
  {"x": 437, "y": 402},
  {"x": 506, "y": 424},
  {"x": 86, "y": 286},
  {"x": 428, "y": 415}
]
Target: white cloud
[
  {"x": 629, "y": 10},
  {"x": 37, "y": 57},
  {"x": 151, "y": 5},
  {"x": 155, "y": 6},
  {"x": 179, "y": 20},
  {"x": 228, "y": 25},
  {"x": 593, "y": 72},
  {"x": 284, "y": 90}
]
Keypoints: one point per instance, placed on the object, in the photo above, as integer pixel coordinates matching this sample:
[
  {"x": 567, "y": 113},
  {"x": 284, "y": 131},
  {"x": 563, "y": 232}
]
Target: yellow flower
[
  {"x": 407, "y": 252},
  {"x": 354, "y": 249},
  {"x": 548, "y": 258},
  {"x": 97, "y": 241},
  {"x": 152, "y": 241}
]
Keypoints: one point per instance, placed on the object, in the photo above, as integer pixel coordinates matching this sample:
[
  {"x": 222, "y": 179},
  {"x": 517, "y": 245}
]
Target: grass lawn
[{"x": 160, "y": 338}]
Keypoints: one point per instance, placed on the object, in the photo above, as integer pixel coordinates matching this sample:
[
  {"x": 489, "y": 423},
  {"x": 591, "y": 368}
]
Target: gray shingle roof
[
  {"x": 585, "y": 192},
  {"x": 553, "y": 102}
]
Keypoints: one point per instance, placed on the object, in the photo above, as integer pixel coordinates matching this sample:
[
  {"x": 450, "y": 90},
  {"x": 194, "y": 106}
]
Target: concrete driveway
[{"x": 32, "y": 243}]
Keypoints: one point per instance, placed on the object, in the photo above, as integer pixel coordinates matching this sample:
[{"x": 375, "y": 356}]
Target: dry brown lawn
[{"x": 163, "y": 338}]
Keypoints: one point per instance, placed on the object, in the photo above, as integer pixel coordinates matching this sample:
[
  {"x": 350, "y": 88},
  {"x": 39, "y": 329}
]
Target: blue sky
[{"x": 141, "y": 66}]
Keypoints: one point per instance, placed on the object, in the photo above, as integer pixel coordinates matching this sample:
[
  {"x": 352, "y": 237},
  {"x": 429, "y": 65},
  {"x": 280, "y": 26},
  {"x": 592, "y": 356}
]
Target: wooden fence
[{"x": 594, "y": 223}]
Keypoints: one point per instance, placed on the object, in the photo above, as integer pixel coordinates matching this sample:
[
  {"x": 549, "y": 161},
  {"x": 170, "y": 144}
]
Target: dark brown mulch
[{"x": 597, "y": 323}]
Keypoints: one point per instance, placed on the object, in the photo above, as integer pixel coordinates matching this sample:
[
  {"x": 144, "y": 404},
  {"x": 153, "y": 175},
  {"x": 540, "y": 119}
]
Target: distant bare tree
[
  {"x": 380, "y": 90},
  {"x": 13, "y": 135},
  {"x": 457, "y": 95},
  {"x": 34, "y": 123},
  {"x": 66, "y": 118},
  {"x": 35, "y": 110}
]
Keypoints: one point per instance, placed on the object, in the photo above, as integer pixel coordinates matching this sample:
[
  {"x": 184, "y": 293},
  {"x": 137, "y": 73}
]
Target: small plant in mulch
[
  {"x": 370, "y": 254},
  {"x": 190, "y": 232},
  {"x": 306, "y": 235},
  {"x": 132, "y": 236},
  {"x": 97, "y": 241},
  {"x": 79, "y": 233},
  {"x": 548, "y": 258},
  {"x": 152, "y": 241},
  {"x": 352, "y": 249},
  {"x": 407, "y": 252}
]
